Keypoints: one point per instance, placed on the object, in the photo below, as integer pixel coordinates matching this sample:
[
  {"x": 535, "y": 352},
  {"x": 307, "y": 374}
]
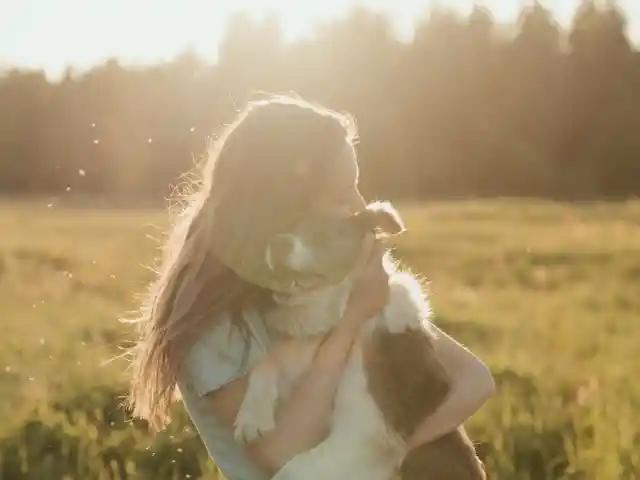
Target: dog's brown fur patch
[{"x": 408, "y": 384}]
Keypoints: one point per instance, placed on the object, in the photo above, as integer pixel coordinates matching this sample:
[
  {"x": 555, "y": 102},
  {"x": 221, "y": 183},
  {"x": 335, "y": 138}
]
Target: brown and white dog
[{"x": 381, "y": 399}]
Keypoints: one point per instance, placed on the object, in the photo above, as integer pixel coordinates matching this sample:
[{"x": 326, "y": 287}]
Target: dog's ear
[{"x": 382, "y": 218}]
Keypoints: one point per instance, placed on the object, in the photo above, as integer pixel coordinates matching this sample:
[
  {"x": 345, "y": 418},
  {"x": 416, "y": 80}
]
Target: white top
[{"x": 215, "y": 360}]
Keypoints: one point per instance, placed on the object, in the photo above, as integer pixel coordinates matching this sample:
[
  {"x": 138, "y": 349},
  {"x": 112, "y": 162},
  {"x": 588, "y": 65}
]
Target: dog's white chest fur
[{"x": 360, "y": 445}]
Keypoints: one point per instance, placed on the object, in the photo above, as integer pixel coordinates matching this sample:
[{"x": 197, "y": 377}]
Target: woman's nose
[{"x": 357, "y": 203}]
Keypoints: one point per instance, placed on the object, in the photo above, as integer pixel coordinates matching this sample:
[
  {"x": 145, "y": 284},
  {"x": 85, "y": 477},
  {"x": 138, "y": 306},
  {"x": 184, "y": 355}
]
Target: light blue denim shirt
[{"x": 216, "y": 359}]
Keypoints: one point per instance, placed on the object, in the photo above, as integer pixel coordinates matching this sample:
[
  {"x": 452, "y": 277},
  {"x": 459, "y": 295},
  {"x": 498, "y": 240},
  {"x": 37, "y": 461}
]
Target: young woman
[{"x": 281, "y": 159}]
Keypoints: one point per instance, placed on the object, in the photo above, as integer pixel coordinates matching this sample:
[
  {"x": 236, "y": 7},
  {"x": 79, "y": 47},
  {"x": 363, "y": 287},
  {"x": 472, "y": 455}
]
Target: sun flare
[{"x": 86, "y": 33}]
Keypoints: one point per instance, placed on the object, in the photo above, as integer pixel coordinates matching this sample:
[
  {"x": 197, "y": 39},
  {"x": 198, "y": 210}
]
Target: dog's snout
[
  {"x": 363, "y": 221},
  {"x": 280, "y": 250}
]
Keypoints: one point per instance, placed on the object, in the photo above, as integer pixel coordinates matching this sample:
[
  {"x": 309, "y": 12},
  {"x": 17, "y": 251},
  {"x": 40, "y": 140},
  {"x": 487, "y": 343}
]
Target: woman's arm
[
  {"x": 471, "y": 385},
  {"x": 303, "y": 420}
]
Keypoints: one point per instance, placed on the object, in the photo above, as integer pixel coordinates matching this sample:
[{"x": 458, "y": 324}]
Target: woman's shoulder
[
  {"x": 223, "y": 335},
  {"x": 223, "y": 350},
  {"x": 227, "y": 333}
]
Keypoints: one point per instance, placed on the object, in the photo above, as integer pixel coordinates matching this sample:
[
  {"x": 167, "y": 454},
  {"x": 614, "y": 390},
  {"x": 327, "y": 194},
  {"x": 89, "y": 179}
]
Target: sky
[{"x": 51, "y": 34}]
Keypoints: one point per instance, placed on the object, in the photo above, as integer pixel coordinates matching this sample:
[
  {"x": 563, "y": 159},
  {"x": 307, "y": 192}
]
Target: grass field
[{"x": 547, "y": 294}]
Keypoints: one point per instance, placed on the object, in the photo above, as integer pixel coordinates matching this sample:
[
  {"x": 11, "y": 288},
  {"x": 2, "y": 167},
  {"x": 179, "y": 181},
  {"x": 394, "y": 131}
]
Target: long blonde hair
[{"x": 258, "y": 178}]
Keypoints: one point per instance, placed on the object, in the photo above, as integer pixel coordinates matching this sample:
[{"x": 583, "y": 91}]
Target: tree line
[{"x": 468, "y": 107}]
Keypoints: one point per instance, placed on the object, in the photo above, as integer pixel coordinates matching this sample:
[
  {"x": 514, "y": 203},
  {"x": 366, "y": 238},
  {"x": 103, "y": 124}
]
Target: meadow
[{"x": 548, "y": 294}]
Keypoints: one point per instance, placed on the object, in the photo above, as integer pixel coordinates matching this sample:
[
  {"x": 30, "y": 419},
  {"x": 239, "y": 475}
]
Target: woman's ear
[{"x": 381, "y": 217}]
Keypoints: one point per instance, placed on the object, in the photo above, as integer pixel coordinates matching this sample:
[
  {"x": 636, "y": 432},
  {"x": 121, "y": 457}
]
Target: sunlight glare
[{"x": 146, "y": 31}]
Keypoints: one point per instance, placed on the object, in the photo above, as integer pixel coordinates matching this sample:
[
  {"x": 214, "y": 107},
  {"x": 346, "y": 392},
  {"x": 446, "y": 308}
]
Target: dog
[{"x": 382, "y": 398}]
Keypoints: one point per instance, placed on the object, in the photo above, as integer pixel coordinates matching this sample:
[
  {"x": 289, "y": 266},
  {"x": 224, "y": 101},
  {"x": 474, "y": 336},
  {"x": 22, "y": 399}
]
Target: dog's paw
[
  {"x": 254, "y": 419},
  {"x": 256, "y": 415}
]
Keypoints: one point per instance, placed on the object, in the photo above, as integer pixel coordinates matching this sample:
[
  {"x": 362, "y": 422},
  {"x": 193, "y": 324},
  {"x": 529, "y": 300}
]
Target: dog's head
[{"x": 322, "y": 252}]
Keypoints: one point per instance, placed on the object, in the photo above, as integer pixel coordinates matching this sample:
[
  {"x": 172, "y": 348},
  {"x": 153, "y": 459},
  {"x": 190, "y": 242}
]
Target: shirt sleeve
[{"x": 216, "y": 359}]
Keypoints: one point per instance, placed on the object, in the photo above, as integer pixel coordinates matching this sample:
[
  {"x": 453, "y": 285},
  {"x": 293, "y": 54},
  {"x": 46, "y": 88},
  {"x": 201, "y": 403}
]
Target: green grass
[{"x": 547, "y": 294}]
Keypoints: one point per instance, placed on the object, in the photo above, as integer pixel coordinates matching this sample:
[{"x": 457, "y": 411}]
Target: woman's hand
[{"x": 370, "y": 291}]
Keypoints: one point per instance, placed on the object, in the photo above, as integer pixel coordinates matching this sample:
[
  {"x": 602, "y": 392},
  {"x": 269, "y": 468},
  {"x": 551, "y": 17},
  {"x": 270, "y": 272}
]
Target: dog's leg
[
  {"x": 257, "y": 410},
  {"x": 451, "y": 457},
  {"x": 409, "y": 384},
  {"x": 269, "y": 381}
]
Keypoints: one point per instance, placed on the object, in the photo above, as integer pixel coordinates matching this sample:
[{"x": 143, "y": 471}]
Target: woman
[{"x": 281, "y": 160}]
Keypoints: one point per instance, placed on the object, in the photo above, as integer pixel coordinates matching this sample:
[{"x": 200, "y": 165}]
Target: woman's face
[
  {"x": 340, "y": 197},
  {"x": 334, "y": 245}
]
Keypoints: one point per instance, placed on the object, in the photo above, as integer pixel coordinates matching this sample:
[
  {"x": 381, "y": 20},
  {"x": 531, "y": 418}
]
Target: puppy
[{"x": 382, "y": 398}]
